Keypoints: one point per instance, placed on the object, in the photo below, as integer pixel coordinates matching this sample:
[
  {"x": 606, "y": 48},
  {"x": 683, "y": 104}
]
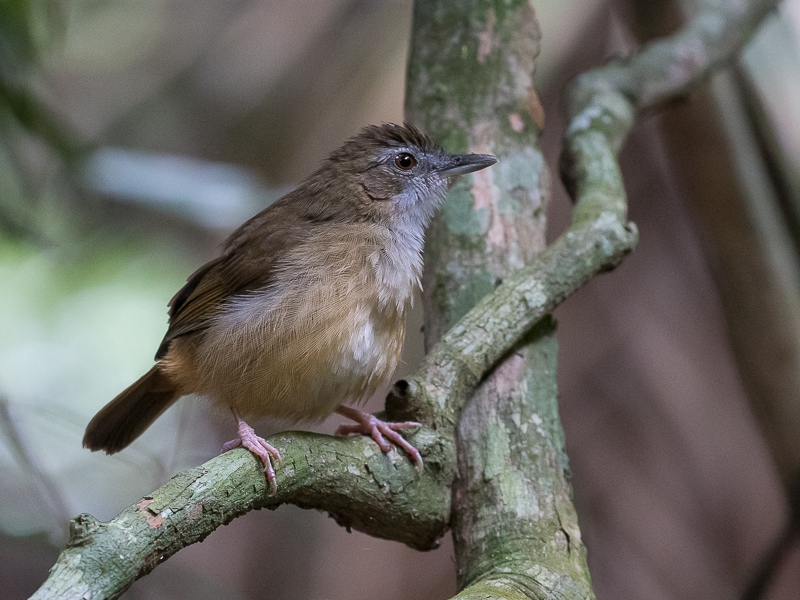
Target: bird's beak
[{"x": 458, "y": 164}]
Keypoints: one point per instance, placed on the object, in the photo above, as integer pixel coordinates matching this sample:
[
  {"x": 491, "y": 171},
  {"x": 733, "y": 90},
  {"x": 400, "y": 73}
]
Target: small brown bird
[{"x": 306, "y": 306}]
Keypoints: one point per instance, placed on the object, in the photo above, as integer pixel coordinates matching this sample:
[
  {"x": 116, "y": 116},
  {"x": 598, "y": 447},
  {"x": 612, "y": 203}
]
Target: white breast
[{"x": 398, "y": 268}]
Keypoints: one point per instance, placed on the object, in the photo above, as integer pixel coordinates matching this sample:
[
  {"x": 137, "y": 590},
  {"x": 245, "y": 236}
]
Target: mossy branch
[
  {"x": 603, "y": 103},
  {"x": 348, "y": 477},
  {"x": 384, "y": 495}
]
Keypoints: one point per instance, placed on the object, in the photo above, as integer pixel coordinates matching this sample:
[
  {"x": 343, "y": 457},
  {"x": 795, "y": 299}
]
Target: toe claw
[
  {"x": 273, "y": 480},
  {"x": 344, "y": 430},
  {"x": 403, "y": 425},
  {"x": 230, "y": 445}
]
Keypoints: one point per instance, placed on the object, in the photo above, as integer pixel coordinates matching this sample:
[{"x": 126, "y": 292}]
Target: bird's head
[{"x": 394, "y": 174}]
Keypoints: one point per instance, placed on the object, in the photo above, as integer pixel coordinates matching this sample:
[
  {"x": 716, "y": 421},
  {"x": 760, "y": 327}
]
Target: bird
[{"x": 303, "y": 312}]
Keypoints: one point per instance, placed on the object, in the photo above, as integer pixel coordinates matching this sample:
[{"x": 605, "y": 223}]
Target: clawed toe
[
  {"x": 258, "y": 446},
  {"x": 385, "y": 434}
]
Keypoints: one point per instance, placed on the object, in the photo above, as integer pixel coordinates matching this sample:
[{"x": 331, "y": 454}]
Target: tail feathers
[{"x": 127, "y": 416}]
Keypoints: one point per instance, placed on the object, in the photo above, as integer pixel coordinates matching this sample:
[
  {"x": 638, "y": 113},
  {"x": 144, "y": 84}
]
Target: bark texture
[{"x": 514, "y": 525}]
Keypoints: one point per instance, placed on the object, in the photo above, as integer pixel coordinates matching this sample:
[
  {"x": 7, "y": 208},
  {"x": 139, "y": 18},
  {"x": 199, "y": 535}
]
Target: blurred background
[{"x": 135, "y": 135}]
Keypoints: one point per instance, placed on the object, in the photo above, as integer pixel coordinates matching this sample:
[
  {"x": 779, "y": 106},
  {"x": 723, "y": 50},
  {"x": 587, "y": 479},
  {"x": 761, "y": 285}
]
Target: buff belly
[{"x": 294, "y": 356}]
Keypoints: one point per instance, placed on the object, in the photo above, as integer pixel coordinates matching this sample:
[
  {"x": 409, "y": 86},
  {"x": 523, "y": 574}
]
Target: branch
[
  {"x": 350, "y": 478},
  {"x": 603, "y": 103},
  {"x": 500, "y": 320}
]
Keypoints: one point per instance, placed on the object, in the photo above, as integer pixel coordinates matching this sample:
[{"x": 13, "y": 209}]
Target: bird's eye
[{"x": 405, "y": 161}]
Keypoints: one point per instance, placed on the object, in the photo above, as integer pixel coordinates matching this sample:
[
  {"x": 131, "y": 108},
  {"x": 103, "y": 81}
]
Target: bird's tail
[{"x": 127, "y": 416}]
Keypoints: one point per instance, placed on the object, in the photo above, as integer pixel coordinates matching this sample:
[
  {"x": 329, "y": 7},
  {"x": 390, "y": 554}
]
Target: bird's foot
[
  {"x": 258, "y": 446},
  {"x": 379, "y": 431}
]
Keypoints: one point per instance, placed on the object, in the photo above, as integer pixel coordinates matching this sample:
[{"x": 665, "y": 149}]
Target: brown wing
[
  {"x": 190, "y": 308},
  {"x": 246, "y": 264}
]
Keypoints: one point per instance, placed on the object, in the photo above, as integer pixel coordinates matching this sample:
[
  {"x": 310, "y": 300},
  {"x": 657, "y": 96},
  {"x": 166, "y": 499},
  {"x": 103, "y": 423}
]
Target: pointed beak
[{"x": 459, "y": 164}]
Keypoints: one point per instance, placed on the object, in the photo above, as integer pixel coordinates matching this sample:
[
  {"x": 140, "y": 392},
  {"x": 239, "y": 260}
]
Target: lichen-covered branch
[
  {"x": 510, "y": 450},
  {"x": 500, "y": 320},
  {"x": 348, "y": 477},
  {"x": 604, "y": 102},
  {"x": 514, "y": 525}
]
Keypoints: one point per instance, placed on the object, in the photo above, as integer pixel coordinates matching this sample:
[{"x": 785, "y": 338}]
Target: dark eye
[{"x": 405, "y": 161}]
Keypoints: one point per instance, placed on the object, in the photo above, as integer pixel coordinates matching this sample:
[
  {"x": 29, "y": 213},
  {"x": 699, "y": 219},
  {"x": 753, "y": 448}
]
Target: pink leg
[
  {"x": 258, "y": 446},
  {"x": 378, "y": 430}
]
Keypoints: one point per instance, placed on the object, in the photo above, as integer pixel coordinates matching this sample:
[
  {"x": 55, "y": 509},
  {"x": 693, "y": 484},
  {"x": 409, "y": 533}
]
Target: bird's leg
[
  {"x": 258, "y": 446},
  {"x": 379, "y": 431}
]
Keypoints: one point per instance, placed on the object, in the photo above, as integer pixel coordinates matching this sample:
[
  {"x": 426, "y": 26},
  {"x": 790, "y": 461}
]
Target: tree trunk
[{"x": 470, "y": 85}]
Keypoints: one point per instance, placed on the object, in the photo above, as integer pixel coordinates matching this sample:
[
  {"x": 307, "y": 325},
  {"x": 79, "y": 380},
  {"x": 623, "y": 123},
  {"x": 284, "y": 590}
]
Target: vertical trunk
[{"x": 470, "y": 85}]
